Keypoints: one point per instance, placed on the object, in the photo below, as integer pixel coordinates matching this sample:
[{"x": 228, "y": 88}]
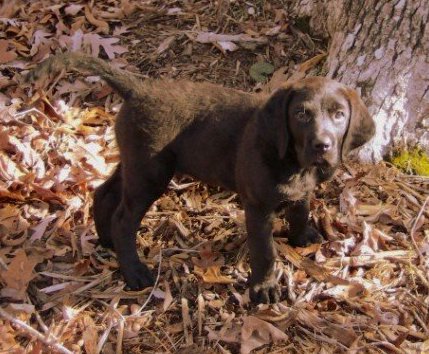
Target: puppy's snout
[{"x": 321, "y": 144}]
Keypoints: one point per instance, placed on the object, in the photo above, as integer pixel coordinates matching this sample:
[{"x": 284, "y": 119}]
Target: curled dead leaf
[
  {"x": 101, "y": 25},
  {"x": 256, "y": 333}
]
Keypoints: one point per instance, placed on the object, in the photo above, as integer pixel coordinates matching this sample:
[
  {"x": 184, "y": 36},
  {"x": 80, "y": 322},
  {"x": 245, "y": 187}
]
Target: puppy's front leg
[
  {"x": 300, "y": 233},
  {"x": 263, "y": 285}
]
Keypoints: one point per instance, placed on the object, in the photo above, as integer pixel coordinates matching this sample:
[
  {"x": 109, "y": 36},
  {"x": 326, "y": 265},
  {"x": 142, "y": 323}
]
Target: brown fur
[{"x": 271, "y": 150}]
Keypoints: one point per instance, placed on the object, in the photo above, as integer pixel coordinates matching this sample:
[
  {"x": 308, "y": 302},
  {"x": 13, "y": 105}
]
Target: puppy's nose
[{"x": 322, "y": 144}]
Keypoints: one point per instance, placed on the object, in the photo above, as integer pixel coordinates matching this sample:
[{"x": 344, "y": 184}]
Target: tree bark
[{"x": 380, "y": 47}]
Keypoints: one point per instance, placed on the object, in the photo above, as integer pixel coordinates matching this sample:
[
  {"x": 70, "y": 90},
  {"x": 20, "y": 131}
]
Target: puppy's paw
[
  {"x": 137, "y": 276},
  {"x": 308, "y": 237},
  {"x": 266, "y": 292}
]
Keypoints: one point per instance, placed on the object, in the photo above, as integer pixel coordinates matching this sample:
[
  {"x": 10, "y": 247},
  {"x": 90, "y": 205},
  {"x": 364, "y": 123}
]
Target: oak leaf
[
  {"x": 213, "y": 275},
  {"x": 96, "y": 41},
  {"x": 18, "y": 275},
  {"x": 5, "y": 54},
  {"x": 256, "y": 333}
]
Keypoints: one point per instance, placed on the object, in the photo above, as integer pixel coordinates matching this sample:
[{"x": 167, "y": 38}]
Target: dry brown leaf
[
  {"x": 11, "y": 221},
  {"x": 226, "y": 46},
  {"x": 82, "y": 267},
  {"x": 18, "y": 275},
  {"x": 6, "y": 194},
  {"x": 168, "y": 298},
  {"x": 337, "y": 332},
  {"x": 6, "y": 55},
  {"x": 95, "y": 41},
  {"x": 39, "y": 229},
  {"x": 346, "y": 292},
  {"x": 381, "y": 303},
  {"x": 165, "y": 44},
  {"x": 8, "y": 337},
  {"x": 73, "y": 9},
  {"x": 8, "y": 9},
  {"x": 46, "y": 194},
  {"x": 229, "y": 335},
  {"x": 9, "y": 170},
  {"x": 212, "y": 275},
  {"x": 101, "y": 25},
  {"x": 96, "y": 115},
  {"x": 281, "y": 76},
  {"x": 278, "y": 79},
  {"x": 311, "y": 63},
  {"x": 318, "y": 272},
  {"x": 256, "y": 333},
  {"x": 89, "y": 335},
  {"x": 40, "y": 37},
  {"x": 207, "y": 257},
  {"x": 128, "y": 7}
]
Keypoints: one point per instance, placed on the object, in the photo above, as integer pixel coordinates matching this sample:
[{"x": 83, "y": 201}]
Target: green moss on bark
[{"x": 414, "y": 161}]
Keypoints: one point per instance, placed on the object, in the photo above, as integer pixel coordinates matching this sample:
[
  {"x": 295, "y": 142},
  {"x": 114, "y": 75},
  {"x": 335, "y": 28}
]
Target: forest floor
[{"x": 363, "y": 290}]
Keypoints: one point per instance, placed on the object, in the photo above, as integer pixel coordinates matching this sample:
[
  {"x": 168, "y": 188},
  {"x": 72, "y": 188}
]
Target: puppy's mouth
[{"x": 320, "y": 161}]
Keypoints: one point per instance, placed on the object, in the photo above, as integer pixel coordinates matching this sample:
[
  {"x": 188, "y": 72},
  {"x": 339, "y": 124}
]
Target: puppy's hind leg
[
  {"x": 143, "y": 181},
  {"x": 106, "y": 200}
]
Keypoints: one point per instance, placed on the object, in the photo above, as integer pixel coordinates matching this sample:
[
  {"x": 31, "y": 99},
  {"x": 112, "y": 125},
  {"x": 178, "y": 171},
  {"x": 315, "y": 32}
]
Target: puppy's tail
[{"x": 124, "y": 83}]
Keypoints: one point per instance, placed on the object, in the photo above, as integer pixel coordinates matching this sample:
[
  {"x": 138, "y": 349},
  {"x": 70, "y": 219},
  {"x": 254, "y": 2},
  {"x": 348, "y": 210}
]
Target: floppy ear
[
  {"x": 361, "y": 125},
  {"x": 273, "y": 117}
]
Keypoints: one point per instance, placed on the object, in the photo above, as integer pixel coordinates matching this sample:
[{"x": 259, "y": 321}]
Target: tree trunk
[{"x": 382, "y": 48}]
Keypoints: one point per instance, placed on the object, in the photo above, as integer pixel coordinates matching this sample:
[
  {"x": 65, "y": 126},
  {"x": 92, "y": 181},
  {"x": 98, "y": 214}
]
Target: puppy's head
[{"x": 319, "y": 120}]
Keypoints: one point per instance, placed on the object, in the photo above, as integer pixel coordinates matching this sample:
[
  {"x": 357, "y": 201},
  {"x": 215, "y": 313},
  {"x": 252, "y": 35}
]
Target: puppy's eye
[
  {"x": 302, "y": 116},
  {"x": 340, "y": 115}
]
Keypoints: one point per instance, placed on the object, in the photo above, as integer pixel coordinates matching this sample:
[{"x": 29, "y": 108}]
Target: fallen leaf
[
  {"x": 207, "y": 257},
  {"x": 168, "y": 298},
  {"x": 311, "y": 63},
  {"x": 73, "y": 9},
  {"x": 256, "y": 333},
  {"x": 8, "y": 337},
  {"x": 89, "y": 335},
  {"x": 212, "y": 275},
  {"x": 101, "y": 25},
  {"x": 165, "y": 44},
  {"x": 18, "y": 275},
  {"x": 273, "y": 31},
  {"x": 226, "y": 46},
  {"x": 96, "y": 116},
  {"x": 229, "y": 335},
  {"x": 11, "y": 220},
  {"x": 6, "y": 54},
  {"x": 259, "y": 71},
  {"x": 96, "y": 41},
  {"x": 39, "y": 230},
  {"x": 40, "y": 37}
]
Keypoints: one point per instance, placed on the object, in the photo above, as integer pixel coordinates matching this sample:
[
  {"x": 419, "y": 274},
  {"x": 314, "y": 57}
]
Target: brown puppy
[{"x": 271, "y": 150}]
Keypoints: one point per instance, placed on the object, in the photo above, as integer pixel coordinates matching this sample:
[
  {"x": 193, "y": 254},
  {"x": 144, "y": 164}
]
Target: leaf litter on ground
[{"x": 364, "y": 290}]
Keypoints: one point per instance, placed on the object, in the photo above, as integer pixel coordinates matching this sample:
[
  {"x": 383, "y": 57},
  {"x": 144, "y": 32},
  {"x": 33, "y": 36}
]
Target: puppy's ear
[
  {"x": 274, "y": 118},
  {"x": 361, "y": 125}
]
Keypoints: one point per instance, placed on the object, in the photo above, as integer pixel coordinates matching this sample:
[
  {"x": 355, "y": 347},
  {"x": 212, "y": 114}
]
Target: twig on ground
[
  {"x": 50, "y": 341},
  {"x": 413, "y": 229},
  {"x": 153, "y": 288}
]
